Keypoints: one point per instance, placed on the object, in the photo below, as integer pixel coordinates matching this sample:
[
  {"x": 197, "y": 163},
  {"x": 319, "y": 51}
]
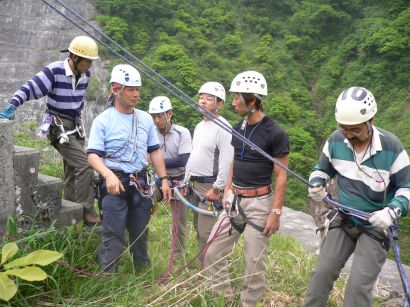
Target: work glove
[
  {"x": 384, "y": 218},
  {"x": 8, "y": 112},
  {"x": 317, "y": 193}
]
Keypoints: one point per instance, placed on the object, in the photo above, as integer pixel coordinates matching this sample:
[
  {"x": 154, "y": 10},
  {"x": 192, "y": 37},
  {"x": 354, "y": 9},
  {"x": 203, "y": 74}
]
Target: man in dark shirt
[{"x": 250, "y": 205}]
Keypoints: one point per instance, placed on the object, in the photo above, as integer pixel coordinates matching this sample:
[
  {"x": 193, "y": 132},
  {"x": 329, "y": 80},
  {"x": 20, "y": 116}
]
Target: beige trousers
[
  {"x": 204, "y": 222},
  {"x": 255, "y": 251},
  {"x": 179, "y": 217}
]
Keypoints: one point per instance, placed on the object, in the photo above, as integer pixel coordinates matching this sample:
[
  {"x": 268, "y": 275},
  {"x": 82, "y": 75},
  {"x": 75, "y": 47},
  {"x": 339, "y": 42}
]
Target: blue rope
[
  {"x": 179, "y": 196},
  {"x": 392, "y": 232}
]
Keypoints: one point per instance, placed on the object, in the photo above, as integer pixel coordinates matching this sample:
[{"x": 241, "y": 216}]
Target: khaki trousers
[
  {"x": 78, "y": 174},
  {"x": 204, "y": 222},
  {"x": 179, "y": 218},
  {"x": 255, "y": 251}
]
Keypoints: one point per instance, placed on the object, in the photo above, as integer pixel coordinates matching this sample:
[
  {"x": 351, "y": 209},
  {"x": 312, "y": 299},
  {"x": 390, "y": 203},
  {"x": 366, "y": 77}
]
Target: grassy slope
[{"x": 288, "y": 266}]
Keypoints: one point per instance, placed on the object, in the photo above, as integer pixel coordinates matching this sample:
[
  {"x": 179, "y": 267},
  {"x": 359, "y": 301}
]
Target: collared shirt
[
  {"x": 177, "y": 141},
  {"x": 69, "y": 73},
  {"x": 369, "y": 183},
  {"x": 123, "y": 140},
  {"x": 58, "y": 85}
]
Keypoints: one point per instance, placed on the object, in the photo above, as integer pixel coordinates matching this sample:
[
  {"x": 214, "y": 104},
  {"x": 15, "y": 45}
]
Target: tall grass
[{"x": 288, "y": 271}]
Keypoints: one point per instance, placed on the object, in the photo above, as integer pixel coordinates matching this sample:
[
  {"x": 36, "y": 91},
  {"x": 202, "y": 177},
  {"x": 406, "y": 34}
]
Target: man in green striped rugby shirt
[{"x": 373, "y": 176}]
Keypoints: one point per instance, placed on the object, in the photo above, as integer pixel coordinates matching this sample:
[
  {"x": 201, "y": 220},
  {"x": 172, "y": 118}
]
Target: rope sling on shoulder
[{"x": 182, "y": 96}]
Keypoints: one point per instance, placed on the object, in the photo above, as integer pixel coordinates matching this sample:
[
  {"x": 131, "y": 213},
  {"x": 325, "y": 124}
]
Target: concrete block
[
  {"x": 7, "y": 196},
  {"x": 42, "y": 200},
  {"x": 70, "y": 213},
  {"x": 26, "y": 162}
]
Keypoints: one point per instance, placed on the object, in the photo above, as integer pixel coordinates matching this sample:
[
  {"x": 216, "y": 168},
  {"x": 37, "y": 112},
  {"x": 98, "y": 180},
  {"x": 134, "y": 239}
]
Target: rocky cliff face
[{"x": 31, "y": 36}]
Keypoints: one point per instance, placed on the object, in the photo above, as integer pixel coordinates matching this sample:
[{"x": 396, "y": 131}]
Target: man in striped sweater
[
  {"x": 64, "y": 84},
  {"x": 373, "y": 176}
]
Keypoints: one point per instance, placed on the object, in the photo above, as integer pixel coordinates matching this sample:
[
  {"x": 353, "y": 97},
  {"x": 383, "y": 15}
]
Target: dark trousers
[
  {"x": 78, "y": 174},
  {"x": 128, "y": 211}
]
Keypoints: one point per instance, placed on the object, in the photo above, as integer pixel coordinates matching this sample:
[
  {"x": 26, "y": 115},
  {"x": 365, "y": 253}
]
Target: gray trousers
[
  {"x": 78, "y": 174},
  {"x": 368, "y": 259}
]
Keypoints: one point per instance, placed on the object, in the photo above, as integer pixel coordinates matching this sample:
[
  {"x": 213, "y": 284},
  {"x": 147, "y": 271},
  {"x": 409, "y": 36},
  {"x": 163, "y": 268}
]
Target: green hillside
[{"x": 309, "y": 51}]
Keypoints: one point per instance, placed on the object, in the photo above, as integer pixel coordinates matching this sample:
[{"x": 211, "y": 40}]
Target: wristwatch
[
  {"x": 217, "y": 191},
  {"x": 276, "y": 211}
]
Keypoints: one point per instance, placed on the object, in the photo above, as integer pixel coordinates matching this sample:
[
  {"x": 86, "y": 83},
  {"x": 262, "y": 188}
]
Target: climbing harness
[
  {"x": 63, "y": 137},
  {"x": 182, "y": 96},
  {"x": 54, "y": 118},
  {"x": 141, "y": 184},
  {"x": 237, "y": 217}
]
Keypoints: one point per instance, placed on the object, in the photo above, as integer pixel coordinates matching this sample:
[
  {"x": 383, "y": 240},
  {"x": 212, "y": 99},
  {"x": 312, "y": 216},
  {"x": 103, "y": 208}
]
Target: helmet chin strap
[
  {"x": 167, "y": 122},
  {"x": 75, "y": 65},
  {"x": 120, "y": 99},
  {"x": 249, "y": 112},
  {"x": 215, "y": 108},
  {"x": 369, "y": 128}
]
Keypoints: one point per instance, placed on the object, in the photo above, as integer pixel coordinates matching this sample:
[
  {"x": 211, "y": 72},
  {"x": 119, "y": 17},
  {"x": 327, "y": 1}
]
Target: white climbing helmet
[
  {"x": 159, "y": 104},
  {"x": 249, "y": 82},
  {"x": 126, "y": 75},
  {"x": 213, "y": 88},
  {"x": 354, "y": 106}
]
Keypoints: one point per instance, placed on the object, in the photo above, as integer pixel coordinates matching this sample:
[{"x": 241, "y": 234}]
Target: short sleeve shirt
[
  {"x": 250, "y": 168},
  {"x": 176, "y": 142},
  {"x": 123, "y": 138}
]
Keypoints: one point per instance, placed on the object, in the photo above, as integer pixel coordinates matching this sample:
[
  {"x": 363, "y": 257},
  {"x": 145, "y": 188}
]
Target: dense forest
[{"x": 309, "y": 51}]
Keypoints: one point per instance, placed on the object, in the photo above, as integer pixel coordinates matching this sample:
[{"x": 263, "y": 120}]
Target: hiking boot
[{"x": 91, "y": 218}]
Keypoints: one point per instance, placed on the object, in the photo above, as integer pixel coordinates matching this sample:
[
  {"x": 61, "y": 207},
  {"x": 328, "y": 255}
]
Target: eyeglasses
[{"x": 355, "y": 131}]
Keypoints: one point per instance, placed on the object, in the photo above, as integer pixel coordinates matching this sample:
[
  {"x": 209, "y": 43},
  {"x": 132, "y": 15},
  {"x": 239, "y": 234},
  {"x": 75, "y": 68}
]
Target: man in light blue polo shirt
[{"x": 119, "y": 140}]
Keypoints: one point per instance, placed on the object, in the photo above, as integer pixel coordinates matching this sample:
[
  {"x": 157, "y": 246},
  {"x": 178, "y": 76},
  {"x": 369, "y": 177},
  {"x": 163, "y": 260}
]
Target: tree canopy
[{"x": 309, "y": 51}]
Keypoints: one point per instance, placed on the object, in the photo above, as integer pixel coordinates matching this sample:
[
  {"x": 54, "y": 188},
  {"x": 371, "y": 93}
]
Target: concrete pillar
[{"x": 7, "y": 191}]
